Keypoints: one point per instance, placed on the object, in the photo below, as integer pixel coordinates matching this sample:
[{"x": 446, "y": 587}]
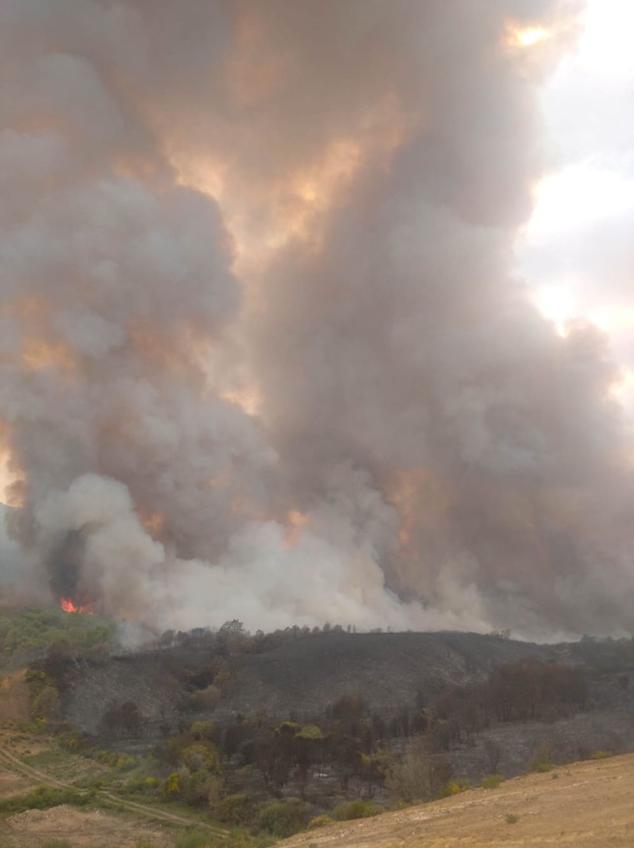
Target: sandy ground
[
  {"x": 585, "y": 805},
  {"x": 12, "y": 784},
  {"x": 82, "y": 828}
]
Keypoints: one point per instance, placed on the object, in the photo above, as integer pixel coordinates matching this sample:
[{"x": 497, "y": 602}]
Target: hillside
[
  {"x": 267, "y": 732},
  {"x": 584, "y": 805},
  {"x": 302, "y": 677}
]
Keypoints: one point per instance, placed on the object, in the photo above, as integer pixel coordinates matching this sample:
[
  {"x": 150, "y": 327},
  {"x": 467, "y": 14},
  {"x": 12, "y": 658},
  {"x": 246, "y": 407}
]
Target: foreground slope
[{"x": 584, "y": 805}]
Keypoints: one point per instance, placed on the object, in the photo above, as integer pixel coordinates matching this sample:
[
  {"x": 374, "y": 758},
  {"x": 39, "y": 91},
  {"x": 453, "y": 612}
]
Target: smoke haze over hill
[{"x": 264, "y": 354}]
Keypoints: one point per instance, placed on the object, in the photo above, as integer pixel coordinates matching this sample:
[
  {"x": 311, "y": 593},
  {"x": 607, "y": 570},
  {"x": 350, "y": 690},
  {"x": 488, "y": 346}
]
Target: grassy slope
[
  {"x": 28, "y": 761},
  {"x": 587, "y": 805},
  {"x": 26, "y": 633}
]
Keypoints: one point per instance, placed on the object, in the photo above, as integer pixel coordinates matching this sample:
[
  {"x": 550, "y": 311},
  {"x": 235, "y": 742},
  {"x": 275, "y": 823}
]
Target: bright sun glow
[
  {"x": 557, "y": 304},
  {"x": 576, "y": 196},
  {"x": 529, "y": 36}
]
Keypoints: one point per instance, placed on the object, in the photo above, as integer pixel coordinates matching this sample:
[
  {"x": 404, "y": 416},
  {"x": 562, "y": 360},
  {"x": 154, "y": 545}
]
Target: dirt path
[
  {"x": 13, "y": 763},
  {"x": 584, "y": 805}
]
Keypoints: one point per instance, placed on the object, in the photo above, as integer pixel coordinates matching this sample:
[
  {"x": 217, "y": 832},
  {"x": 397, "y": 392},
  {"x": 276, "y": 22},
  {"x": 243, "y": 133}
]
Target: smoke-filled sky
[{"x": 318, "y": 311}]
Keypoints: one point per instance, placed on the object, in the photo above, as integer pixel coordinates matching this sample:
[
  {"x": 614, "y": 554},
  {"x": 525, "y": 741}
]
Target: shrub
[
  {"x": 419, "y": 776},
  {"x": 319, "y": 821},
  {"x": 173, "y": 785},
  {"x": 511, "y": 818},
  {"x": 309, "y": 731},
  {"x": 197, "y": 786},
  {"x": 139, "y": 783},
  {"x": 454, "y": 787},
  {"x": 492, "y": 781},
  {"x": 203, "y": 731},
  {"x": 357, "y": 809},
  {"x": 57, "y": 843},
  {"x": 201, "y": 755},
  {"x": 206, "y": 699},
  {"x": 601, "y": 755},
  {"x": 282, "y": 818},
  {"x": 72, "y": 742},
  {"x": 44, "y": 797},
  {"x": 236, "y": 809},
  {"x": 194, "y": 839}
]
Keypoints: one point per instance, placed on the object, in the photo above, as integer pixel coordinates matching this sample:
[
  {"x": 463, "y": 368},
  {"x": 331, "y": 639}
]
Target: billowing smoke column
[{"x": 263, "y": 354}]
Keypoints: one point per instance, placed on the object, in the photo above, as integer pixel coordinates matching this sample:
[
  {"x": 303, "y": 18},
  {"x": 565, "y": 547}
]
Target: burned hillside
[{"x": 231, "y": 722}]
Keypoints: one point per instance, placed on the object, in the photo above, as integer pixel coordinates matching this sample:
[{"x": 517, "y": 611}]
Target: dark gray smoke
[{"x": 264, "y": 354}]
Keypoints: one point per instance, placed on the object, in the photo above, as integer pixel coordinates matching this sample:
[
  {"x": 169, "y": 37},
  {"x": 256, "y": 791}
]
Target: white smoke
[{"x": 263, "y": 355}]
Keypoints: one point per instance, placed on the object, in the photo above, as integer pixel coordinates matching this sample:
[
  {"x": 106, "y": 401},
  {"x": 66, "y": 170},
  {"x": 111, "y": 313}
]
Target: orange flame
[
  {"x": 153, "y": 522},
  {"x": 69, "y": 605}
]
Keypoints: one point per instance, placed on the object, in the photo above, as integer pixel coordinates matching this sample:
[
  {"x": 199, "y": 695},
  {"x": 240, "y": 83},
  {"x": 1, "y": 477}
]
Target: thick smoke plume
[{"x": 263, "y": 353}]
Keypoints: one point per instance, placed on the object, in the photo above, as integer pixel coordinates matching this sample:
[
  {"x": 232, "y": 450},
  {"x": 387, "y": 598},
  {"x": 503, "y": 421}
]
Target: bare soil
[
  {"x": 12, "y": 784},
  {"x": 81, "y": 828},
  {"x": 585, "y": 805}
]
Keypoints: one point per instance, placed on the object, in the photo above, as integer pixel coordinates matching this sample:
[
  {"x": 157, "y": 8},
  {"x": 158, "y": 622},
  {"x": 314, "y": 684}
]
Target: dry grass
[
  {"x": 14, "y": 698},
  {"x": 588, "y": 805},
  {"x": 82, "y": 829}
]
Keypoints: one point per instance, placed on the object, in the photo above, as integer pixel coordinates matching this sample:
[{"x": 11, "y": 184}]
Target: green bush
[
  {"x": 144, "y": 784},
  {"x": 309, "y": 731},
  {"x": 282, "y": 818},
  {"x": 358, "y": 809},
  {"x": 44, "y": 797},
  {"x": 116, "y": 760},
  {"x": 492, "y": 781},
  {"x": 201, "y": 755},
  {"x": 601, "y": 755},
  {"x": 197, "y": 786},
  {"x": 57, "y": 843},
  {"x": 173, "y": 785},
  {"x": 237, "y": 809},
  {"x": 511, "y": 818},
  {"x": 32, "y": 630}
]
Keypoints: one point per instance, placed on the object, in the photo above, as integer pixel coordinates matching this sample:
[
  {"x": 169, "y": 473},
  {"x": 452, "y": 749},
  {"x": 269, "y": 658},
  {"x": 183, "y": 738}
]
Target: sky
[{"x": 576, "y": 251}]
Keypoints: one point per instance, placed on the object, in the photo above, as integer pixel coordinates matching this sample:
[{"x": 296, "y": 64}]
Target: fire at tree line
[{"x": 506, "y": 707}]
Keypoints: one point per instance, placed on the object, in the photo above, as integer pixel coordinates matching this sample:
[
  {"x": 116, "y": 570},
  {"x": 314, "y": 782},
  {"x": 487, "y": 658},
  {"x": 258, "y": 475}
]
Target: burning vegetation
[{"x": 82, "y": 607}]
